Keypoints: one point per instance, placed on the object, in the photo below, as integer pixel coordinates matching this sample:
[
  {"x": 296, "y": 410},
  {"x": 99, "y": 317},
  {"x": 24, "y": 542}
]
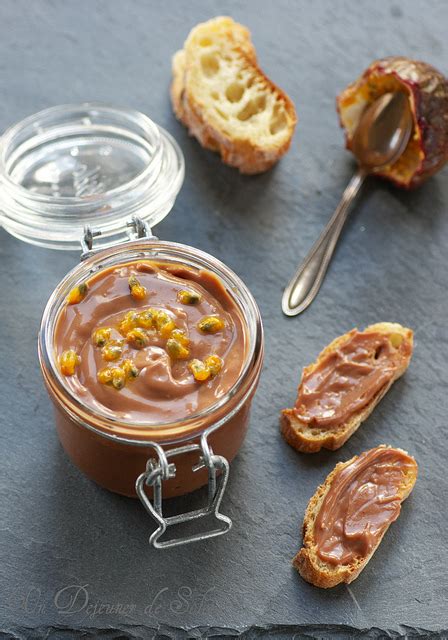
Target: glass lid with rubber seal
[{"x": 90, "y": 165}]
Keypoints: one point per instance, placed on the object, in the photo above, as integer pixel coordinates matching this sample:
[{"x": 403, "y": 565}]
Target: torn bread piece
[
  {"x": 341, "y": 389},
  {"x": 350, "y": 512},
  {"x": 224, "y": 99}
]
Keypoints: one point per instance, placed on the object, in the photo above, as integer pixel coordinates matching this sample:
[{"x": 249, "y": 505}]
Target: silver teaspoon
[{"x": 380, "y": 138}]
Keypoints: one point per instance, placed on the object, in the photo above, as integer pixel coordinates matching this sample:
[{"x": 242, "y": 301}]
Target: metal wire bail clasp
[
  {"x": 158, "y": 470},
  {"x": 137, "y": 229}
]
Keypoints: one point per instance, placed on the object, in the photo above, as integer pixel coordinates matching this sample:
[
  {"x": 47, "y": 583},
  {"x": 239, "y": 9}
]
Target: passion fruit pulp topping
[
  {"x": 143, "y": 327},
  {"x": 146, "y": 361}
]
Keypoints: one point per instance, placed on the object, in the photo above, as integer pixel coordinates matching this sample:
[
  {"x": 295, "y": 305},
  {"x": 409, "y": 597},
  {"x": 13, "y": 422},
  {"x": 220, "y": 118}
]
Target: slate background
[{"x": 58, "y": 530}]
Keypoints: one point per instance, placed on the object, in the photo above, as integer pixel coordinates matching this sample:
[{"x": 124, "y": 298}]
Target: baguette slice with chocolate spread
[
  {"x": 341, "y": 389},
  {"x": 225, "y": 100},
  {"x": 350, "y": 512}
]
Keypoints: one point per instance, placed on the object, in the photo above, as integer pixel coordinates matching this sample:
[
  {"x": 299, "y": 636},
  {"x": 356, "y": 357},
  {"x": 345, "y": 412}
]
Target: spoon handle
[{"x": 308, "y": 278}]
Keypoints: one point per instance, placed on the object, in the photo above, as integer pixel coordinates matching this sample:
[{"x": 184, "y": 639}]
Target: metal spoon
[{"x": 380, "y": 138}]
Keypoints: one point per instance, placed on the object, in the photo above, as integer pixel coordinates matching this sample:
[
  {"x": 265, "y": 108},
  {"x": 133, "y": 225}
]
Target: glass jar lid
[{"x": 73, "y": 166}]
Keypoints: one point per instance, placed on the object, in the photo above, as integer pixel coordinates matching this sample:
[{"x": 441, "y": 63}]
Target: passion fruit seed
[
  {"x": 211, "y": 324},
  {"x": 138, "y": 291},
  {"x": 214, "y": 363},
  {"x": 112, "y": 350},
  {"x": 137, "y": 338},
  {"x": 105, "y": 375},
  {"x": 77, "y": 294},
  {"x": 101, "y": 336},
  {"x": 176, "y": 351},
  {"x": 180, "y": 336},
  {"x": 146, "y": 319},
  {"x": 199, "y": 370},
  {"x": 165, "y": 324},
  {"x": 188, "y": 297},
  {"x": 161, "y": 318},
  {"x": 68, "y": 362},
  {"x": 130, "y": 369},
  {"x": 167, "y": 329},
  {"x": 118, "y": 378},
  {"x": 396, "y": 339},
  {"x": 129, "y": 322}
]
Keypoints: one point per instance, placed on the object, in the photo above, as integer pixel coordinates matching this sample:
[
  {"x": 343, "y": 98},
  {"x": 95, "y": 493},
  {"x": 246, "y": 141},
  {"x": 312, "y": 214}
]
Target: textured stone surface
[{"x": 59, "y": 531}]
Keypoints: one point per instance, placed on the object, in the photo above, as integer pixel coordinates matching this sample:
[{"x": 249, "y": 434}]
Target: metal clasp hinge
[
  {"x": 138, "y": 229},
  {"x": 158, "y": 470}
]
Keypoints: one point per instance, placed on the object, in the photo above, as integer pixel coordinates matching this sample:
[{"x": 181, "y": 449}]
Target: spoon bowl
[{"x": 383, "y": 131}]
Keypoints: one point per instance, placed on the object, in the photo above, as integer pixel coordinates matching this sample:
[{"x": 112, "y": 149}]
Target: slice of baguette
[
  {"x": 310, "y": 439},
  {"x": 310, "y": 566},
  {"x": 224, "y": 99}
]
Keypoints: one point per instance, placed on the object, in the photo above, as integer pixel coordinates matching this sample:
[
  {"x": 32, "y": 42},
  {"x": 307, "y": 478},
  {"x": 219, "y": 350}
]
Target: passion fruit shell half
[{"x": 427, "y": 89}]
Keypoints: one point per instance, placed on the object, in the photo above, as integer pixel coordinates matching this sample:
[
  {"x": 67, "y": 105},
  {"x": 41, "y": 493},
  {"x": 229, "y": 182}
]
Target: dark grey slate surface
[{"x": 64, "y": 540}]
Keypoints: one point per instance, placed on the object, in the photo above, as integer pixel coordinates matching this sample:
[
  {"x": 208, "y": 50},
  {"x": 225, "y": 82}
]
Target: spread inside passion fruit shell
[{"x": 427, "y": 90}]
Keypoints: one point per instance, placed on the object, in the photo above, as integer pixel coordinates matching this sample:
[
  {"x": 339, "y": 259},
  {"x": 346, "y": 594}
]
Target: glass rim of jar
[
  {"x": 139, "y": 432},
  {"x": 56, "y": 221}
]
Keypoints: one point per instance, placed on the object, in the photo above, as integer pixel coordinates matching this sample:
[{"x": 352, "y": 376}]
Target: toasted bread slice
[
  {"x": 224, "y": 99},
  {"x": 307, "y": 562},
  {"x": 310, "y": 439}
]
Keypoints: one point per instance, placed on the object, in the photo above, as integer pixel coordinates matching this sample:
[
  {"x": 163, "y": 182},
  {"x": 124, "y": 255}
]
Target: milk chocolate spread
[
  {"x": 348, "y": 378},
  {"x": 150, "y": 342},
  {"x": 363, "y": 499}
]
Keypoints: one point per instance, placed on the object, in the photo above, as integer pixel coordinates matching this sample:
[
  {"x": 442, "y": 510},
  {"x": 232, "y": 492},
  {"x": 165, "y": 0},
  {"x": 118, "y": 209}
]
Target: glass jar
[
  {"x": 134, "y": 458},
  {"x": 101, "y": 176}
]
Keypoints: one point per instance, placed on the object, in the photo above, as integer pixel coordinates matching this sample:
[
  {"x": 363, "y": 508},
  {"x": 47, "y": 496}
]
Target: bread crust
[
  {"x": 307, "y": 439},
  {"x": 307, "y": 562},
  {"x": 248, "y": 156},
  {"x": 177, "y": 84}
]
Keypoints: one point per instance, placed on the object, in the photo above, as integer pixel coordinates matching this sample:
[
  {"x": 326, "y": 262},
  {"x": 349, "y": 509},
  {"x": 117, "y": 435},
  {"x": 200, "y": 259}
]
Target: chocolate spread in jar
[
  {"x": 363, "y": 499},
  {"x": 158, "y": 385},
  {"x": 347, "y": 379}
]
